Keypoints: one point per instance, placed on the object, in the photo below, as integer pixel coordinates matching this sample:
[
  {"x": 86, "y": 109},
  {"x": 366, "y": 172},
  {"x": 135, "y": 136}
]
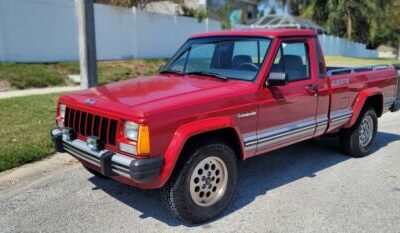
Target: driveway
[{"x": 307, "y": 187}]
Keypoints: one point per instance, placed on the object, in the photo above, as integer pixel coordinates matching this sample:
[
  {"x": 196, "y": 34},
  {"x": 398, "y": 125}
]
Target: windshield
[{"x": 221, "y": 57}]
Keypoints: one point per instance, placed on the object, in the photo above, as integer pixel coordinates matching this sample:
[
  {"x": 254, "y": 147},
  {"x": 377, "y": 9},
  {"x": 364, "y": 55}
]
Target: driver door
[{"x": 287, "y": 114}]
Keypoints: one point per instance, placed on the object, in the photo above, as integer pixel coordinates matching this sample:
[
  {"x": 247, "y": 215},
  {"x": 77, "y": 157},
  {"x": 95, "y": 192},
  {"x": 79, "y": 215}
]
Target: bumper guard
[{"x": 110, "y": 163}]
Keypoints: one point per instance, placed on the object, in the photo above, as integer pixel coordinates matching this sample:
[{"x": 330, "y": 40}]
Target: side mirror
[
  {"x": 161, "y": 68},
  {"x": 276, "y": 79}
]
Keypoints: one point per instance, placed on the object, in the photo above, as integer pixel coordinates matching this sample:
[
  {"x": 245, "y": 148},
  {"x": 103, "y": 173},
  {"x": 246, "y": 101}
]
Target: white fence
[
  {"x": 46, "y": 31},
  {"x": 335, "y": 46}
]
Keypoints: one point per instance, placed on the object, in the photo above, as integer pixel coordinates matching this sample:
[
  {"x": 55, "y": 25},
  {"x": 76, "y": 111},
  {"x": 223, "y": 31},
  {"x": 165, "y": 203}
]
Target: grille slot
[{"x": 88, "y": 124}]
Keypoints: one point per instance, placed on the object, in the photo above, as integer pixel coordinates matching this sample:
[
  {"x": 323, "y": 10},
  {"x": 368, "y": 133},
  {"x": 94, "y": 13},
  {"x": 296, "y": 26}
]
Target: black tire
[
  {"x": 94, "y": 172},
  {"x": 176, "y": 194},
  {"x": 350, "y": 138}
]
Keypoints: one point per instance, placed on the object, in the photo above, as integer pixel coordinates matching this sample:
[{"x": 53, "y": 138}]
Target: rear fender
[
  {"x": 360, "y": 102},
  {"x": 187, "y": 131}
]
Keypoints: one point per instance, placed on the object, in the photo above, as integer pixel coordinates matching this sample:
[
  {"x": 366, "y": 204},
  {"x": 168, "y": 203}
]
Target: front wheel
[
  {"x": 205, "y": 184},
  {"x": 357, "y": 141}
]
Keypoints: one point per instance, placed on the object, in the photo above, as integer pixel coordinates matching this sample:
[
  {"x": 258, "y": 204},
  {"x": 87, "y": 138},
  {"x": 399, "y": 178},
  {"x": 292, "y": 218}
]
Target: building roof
[
  {"x": 285, "y": 21},
  {"x": 259, "y": 32}
]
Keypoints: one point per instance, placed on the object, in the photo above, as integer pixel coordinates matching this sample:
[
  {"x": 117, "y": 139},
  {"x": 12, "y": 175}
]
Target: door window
[{"x": 293, "y": 59}]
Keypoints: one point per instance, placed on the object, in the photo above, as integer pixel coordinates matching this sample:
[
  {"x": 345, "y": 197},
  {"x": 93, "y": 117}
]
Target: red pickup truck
[{"x": 223, "y": 97}]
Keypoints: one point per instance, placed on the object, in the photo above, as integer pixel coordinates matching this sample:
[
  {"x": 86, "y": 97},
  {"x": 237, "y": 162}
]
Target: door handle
[{"x": 311, "y": 88}]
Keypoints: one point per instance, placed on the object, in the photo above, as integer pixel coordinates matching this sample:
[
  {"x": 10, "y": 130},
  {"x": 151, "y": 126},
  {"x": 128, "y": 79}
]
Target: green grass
[
  {"x": 349, "y": 61},
  {"x": 109, "y": 72},
  {"x": 23, "y": 76},
  {"x": 25, "y": 126}
]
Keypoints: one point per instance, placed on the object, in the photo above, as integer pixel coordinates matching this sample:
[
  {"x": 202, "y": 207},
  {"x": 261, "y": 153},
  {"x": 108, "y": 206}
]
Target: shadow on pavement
[{"x": 256, "y": 176}]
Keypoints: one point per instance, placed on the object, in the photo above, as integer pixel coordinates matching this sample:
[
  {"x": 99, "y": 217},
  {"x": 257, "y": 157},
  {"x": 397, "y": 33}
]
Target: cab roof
[{"x": 259, "y": 32}]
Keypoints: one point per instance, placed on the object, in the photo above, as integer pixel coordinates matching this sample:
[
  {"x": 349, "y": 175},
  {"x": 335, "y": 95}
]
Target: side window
[
  {"x": 278, "y": 65},
  {"x": 294, "y": 61}
]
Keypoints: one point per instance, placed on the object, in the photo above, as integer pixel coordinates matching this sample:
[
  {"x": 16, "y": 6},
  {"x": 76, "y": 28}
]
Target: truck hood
[{"x": 144, "y": 94}]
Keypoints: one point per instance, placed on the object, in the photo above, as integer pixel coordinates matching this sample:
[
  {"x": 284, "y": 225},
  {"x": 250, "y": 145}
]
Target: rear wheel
[
  {"x": 357, "y": 141},
  {"x": 204, "y": 185}
]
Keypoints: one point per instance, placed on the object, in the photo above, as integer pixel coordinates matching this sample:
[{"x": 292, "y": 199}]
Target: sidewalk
[{"x": 38, "y": 91}]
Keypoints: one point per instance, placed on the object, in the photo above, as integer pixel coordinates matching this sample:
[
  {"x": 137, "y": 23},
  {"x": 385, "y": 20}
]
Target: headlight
[
  {"x": 131, "y": 130},
  {"x": 62, "y": 108}
]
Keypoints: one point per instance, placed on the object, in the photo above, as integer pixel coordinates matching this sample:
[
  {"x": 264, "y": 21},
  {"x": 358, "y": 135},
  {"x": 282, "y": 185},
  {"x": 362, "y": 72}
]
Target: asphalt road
[{"x": 307, "y": 187}]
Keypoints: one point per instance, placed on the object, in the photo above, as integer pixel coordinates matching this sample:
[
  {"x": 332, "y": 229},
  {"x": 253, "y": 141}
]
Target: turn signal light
[{"x": 143, "y": 143}]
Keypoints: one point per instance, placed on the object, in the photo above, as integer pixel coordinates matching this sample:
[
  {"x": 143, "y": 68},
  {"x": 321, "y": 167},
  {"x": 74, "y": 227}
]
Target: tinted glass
[{"x": 232, "y": 57}]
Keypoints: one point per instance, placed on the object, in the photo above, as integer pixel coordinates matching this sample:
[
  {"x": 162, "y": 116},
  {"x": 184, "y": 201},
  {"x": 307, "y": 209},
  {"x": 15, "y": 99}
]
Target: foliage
[
  {"x": 372, "y": 22},
  {"x": 272, "y": 11},
  {"x": 141, "y": 4},
  {"x": 23, "y": 76},
  {"x": 200, "y": 14},
  {"x": 224, "y": 14}
]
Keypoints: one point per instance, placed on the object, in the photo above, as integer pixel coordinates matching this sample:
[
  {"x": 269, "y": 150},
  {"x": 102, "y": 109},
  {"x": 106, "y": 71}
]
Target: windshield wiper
[
  {"x": 206, "y": 73},
  {"x": 171, "y": 72}
]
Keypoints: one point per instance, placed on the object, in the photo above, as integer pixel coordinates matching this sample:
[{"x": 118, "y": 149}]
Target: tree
[
  {"x": 362, "y": 21},
  {"x": 351, "y": 15},
  {"x": 393, "y": 21},
  {"x": 294, "y": 7},
  {"x": 272, "y": 11},
  {"x": 224, "y": 14}
]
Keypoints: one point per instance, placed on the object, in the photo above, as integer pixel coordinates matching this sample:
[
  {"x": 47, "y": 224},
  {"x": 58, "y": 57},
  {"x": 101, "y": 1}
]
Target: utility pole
[{"x": 87, "y": 43}]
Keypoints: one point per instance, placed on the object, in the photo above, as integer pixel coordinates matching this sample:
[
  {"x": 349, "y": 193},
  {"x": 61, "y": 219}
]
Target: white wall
[
  {"x": 37, "y": 30},
  {"x": 46, "y": 31}
]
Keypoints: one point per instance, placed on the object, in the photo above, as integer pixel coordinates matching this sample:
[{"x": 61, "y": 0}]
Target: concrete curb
[{"x": 29, "y": 173}]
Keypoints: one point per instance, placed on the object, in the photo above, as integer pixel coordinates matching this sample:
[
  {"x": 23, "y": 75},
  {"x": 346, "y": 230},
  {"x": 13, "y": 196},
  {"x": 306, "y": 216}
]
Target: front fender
[
  {"x": 360, "y": 102},
  {"x": 187, "y": 131}
]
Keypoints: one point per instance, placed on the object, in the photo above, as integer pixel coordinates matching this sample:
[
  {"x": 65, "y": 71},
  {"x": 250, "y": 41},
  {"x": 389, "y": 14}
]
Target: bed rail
[{"x": 352, "y": 70}]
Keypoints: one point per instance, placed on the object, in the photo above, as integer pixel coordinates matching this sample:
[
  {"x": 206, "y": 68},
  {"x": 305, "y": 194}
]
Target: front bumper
[{"x": 109, "y": 163}]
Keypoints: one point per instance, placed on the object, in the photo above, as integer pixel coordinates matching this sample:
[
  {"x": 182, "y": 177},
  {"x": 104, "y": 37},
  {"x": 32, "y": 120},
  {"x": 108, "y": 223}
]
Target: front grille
[{"x": 88, "y": 124}]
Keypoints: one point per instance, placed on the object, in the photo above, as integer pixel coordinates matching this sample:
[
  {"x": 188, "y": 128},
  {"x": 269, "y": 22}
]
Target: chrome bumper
[{"x": 110, "y": 163}]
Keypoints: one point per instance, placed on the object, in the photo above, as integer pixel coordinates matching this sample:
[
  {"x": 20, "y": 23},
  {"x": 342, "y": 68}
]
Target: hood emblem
[{"x": 90, "y": 101}]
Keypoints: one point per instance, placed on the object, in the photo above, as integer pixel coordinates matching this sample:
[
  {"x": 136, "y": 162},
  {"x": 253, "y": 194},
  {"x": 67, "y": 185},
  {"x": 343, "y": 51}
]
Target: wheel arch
[
  {"x": 186, "y": 135},
  {"x": 372, "y": 97}
]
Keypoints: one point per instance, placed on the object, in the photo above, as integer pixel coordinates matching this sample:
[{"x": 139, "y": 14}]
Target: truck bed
[{"x": 346, "y": 84}]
